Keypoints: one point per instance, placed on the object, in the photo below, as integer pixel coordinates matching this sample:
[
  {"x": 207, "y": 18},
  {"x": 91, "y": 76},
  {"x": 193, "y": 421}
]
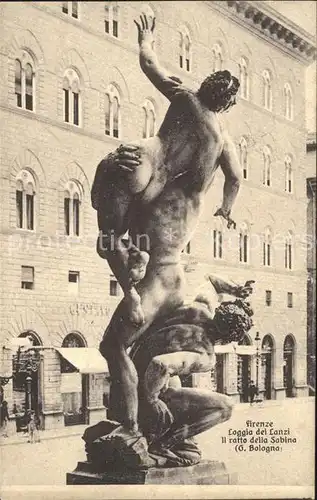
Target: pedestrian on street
[
  {"x": 105, "y": 399},
  {"x": 15, "y": 412},
  {"x": 34, "y": 436},
  {"x": 4, "y": 418},
  {"x": 253, "y": 391}
]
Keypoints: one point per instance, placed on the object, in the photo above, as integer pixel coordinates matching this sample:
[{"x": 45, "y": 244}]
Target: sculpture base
[{"x": 206, "y": 472}]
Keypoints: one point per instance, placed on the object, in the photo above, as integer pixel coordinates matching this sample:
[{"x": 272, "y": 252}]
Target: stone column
[
  {"x": 52, "y": 399},
  {"x": 279, "y": 382},
  {"x": 231, "y": 373},
  {"x": 300, "y": 369},
  {"x": 6, "y": 370}
]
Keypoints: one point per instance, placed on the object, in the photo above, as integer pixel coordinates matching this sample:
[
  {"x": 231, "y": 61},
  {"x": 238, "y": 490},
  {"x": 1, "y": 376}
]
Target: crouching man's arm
[
  {"x": 229, "y": 287},
  {"x": 162, "y": 367}
]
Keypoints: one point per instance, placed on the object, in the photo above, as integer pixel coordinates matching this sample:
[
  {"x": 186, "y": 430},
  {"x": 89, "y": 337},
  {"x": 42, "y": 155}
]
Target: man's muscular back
[
  {"x": 191, "y": 136},
  {"x": 189, "y": 141}
]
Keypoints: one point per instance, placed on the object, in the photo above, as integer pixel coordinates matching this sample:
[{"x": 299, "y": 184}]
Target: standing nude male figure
[{"x": 157, "y": 188}]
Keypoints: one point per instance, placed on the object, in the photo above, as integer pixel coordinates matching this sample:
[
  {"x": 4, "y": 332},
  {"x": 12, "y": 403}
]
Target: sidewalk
[
  {"x": 274, "y": 402},
  {"x": 78, "y": 430},
  {"x": 21, "y": 437}
]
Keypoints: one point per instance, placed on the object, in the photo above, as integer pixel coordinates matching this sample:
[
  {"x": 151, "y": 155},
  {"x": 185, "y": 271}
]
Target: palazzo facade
[{"x": 72, "y": 91}]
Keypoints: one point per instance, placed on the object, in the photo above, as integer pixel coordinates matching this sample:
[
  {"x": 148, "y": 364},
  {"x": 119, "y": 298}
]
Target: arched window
[
  {"x": 26, "y": 362},
  {"x": 72, "y": 340},
  {"x": 112, "y": 19},
  {"x": 244, "y": 78},
  {"x": 267, "y": 167},
  {"x": 25, "y": 198},
  {"x": 149, "y": 119},
  {"x": 72, "y": 208},
  {"x": 107, "y": 114},
  {"x": 288, "y": 102},
  {"x": 71, "y": 9},
  {"x": 217, "y": 58},
  {"x": 288, "y": 174},
  {"x": 243, "y": 154},
  {"x": 185, "y": 50},
  {"x": 267, "y": 90},
  {"x": 24, "y": 82},
  {"x": 71, "y": 94},
  {"x": 244, "y": 244},
  {"x": 267, "y": 248},
  {"x": 112, "y": 112},
  {"x": 267, "y": 344},
  {"x": 18, "y": 83},
  {"x": 246, "y": 340},
  {"x": 288, "y": 251}
]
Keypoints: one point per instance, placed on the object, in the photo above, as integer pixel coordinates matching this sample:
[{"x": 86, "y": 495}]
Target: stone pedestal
[{"x": 206, "y": 472}]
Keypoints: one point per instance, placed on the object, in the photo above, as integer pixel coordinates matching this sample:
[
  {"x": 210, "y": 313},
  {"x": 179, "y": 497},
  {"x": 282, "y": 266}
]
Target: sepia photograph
[{"x": 158, "y": 249}]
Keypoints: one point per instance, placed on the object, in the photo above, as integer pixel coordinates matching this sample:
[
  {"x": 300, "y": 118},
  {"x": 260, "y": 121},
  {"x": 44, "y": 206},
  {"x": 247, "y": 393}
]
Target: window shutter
[{"x": 27, "y": 274}]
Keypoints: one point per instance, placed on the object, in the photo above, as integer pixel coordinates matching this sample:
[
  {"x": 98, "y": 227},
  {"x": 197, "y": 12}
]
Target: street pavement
[
  {"x": 47, "y": 462},
  {"x": 292, "y": 466}
]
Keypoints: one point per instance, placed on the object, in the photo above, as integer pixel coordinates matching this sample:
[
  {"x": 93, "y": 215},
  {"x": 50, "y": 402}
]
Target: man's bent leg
[
  {"x": 123, "y": 376},
  {"x": 124, "y": 380},
  {"x": 121, "y": 333},
  {"x": 195, "y": 411}
]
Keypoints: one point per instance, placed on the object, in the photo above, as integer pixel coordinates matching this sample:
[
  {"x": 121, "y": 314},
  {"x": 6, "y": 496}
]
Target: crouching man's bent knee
[{"x": 226, "y": 407}]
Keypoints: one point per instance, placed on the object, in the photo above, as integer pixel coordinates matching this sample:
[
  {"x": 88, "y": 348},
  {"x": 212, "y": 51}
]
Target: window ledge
[
  {"x": 185, "y": 72},
  {"x": 112, "y": 37},
  {"x": 26, "y": 231},
  {"x": 53, "y": 412},
  {"x": 27, "y": 111},
  {"x": 72, "y": 236},
  {"x": 69, "y": 18},
  {"x": 72, "y": 125},
  {"x": 244, "y": 99}
]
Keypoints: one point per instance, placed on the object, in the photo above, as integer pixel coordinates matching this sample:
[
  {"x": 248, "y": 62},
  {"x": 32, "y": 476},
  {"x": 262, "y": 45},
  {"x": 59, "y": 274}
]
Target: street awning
[
  {"x": 247, "y": 350},
  {"x": 85, "y": 359},
  {"x": 223, "y": 349}
]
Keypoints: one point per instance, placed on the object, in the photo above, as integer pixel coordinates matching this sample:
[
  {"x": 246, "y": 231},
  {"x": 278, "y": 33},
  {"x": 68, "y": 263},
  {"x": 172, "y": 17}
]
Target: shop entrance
[
  {"x": 26, "y": 363},
  {"x": 74, "y": 395},
  {"x": 220, "y": 364},
  {"x": 267, "y": 365},
  {"x": 244, "y": 371},
  {"x": 244, "y": 376},
  {"x": 288, "y": 366},
  {"x": 74, "y": 386}
]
